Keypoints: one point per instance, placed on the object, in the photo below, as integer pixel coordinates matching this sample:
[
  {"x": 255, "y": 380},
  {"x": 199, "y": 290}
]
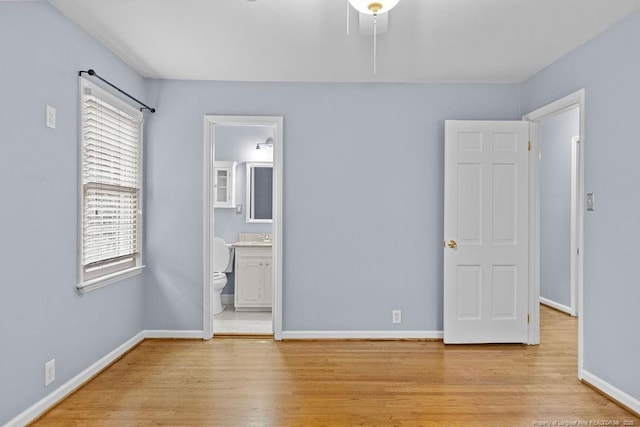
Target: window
[{"x": 111, "y": 187}]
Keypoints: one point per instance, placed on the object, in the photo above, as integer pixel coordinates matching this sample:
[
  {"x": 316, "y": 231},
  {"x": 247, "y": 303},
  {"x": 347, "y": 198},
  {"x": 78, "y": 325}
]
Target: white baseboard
[
  {"x": 381, "y": 335},
  {"x": 227, "y": 299},
  {"x": 615, "y": 393},
  {"x": 44, "y": 404},
  {"x": 178, "y": 334},
  {"x": 560, "y": 307}
]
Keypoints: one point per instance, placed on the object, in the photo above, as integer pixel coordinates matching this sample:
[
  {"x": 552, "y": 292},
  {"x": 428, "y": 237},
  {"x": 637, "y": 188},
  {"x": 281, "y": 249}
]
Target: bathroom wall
[
  {"x": 239, "y": 143},
  {"x": 607, "y": 68},
  {"x": 363, "y": 196},
  {"x": 41, "y": 315},
  {"x": 555, "y": 205}
]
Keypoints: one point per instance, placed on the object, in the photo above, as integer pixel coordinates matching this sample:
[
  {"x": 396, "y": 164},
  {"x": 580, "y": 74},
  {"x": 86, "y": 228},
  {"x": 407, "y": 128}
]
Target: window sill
[{"x": 109, "y": 279}]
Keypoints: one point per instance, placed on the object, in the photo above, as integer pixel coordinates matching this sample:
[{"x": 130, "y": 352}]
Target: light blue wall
[
  {"x": 555, "y": 205},
  {"x": 608, "y": 67},
  {"x": 239, "y": 143},
  {"x": 363, "y": 196},
  {"x": 363, "y": 200},
  {"x": 41, "y": 316}
]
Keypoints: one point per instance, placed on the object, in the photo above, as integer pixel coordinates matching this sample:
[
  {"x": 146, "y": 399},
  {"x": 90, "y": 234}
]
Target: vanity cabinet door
[
  {"x": 253, "y": 278},
  {"x": 266, "y": 281},
  {"x": 249, "y": 281}
]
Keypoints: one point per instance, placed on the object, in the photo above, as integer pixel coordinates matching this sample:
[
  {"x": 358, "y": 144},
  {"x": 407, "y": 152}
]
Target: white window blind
[{"x": 111, "y": 149}]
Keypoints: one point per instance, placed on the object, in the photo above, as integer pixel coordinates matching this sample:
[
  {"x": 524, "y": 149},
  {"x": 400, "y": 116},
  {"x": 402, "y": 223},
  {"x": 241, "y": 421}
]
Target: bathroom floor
[{"x": 242, "y": 322}]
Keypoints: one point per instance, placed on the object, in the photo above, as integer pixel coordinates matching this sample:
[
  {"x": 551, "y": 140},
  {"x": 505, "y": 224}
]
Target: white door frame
[
  {"x": 576, "y": 99},
  {"x": 210, "y": 121},
  {"x": 577, "y": 214}
]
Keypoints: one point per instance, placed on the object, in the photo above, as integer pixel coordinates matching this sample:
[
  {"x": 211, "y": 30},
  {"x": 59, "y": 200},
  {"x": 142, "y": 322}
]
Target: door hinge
[
  {"x": 529, "y": 146},
  {"x": 528, "y": 318}
]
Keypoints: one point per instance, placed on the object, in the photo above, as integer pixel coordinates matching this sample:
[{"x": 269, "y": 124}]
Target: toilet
[{"x": 220, "y": 266}]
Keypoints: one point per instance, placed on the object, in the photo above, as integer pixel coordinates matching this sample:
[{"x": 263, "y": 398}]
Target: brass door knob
[{"x": 452, "y": 244}]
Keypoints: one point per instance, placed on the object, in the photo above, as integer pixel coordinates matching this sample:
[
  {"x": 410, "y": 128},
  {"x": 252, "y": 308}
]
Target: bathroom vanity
[{"x": 253, "y": 276}]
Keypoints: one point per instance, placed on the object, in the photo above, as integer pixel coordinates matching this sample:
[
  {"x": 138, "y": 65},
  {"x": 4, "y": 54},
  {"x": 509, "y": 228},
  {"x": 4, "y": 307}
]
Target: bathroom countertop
[{"x": 251, "y": 244}]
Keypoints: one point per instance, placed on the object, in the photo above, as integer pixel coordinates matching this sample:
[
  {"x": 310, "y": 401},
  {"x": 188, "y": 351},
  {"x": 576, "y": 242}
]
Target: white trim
[
  {"x": 227, "y": 299},
  {"x": 278, "y": 215},
  {"x": 560, "y": 307},
  {"x": 576, "y": 208},
  {"x": 208, "y": 213},
  {"x": 576, "y": 99},
  {"x": 44, "y": 404},
  {"x": 613, "y": 392},
  {"x": 556, "y": 107},
  {"x": 362, "y": 335},
  {"x": 174, "y": 334},
  {"x": 534, "y": 235},
  {"x": 208, "y": 158},
  {"x": 101, "y": 282}
]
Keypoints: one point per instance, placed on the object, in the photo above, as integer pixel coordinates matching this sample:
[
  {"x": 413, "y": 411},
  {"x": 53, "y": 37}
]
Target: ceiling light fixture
[{"x": 374, "y": 8}]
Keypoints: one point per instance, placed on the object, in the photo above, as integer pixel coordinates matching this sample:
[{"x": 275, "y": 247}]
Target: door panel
[
  {"x": 486, "y": 215},
  {"x": 469, "y": 292},
  {"x": 470, "y": 202},
  {"x": 505, "y": 198},
  {"x": 503, "y": 301},
  {"x": 250, "y": 276},
  {"x": 267, "y": 281}
]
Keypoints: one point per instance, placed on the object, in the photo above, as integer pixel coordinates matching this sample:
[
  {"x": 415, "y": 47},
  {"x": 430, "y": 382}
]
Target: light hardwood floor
[{"x": 259, "y": 382}]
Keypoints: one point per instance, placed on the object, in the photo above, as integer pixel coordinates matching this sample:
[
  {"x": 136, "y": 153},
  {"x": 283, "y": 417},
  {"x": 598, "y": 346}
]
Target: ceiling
[{"x": 306, "y": 40}]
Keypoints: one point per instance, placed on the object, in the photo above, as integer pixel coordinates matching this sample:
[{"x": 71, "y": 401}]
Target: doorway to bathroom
[{"x": 242, "y": 242}]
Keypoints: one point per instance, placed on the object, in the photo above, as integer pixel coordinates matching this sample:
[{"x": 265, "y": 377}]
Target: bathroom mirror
[{"x": 259, "y": 192}]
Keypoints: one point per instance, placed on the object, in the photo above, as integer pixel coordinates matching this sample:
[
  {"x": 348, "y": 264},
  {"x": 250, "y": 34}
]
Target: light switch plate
[
  {"x": 591, "y": 202},
  {"x": 49, "y": 372},
  {"x": 50, "y": 117}
]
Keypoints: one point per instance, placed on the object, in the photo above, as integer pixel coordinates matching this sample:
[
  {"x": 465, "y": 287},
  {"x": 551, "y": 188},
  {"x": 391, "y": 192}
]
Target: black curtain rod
[{"x": 93, "y": 73}]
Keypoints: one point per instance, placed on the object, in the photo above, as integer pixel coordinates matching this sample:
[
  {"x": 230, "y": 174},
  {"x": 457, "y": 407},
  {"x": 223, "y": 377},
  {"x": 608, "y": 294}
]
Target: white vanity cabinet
[
  {"x": 224, "y": 184},
  {"x": 253, "y": 278}
]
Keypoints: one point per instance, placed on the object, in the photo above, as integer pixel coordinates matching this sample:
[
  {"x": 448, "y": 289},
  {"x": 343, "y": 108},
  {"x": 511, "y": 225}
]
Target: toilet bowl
[{"x": 221, "y": 256}]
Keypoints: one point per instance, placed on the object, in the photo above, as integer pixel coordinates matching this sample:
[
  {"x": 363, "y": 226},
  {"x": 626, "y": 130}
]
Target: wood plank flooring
[{"x": 259, "y": 382}]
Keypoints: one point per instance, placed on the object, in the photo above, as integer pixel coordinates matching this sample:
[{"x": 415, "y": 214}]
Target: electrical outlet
[
  {"x": 49, "y": 372},
  {"x": 396, "y": 316},
  {"x": 50, "y": 117}
]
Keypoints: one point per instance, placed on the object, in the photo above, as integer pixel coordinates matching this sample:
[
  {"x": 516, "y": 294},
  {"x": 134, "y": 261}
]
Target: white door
[{"x": 486, "y": 232}]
